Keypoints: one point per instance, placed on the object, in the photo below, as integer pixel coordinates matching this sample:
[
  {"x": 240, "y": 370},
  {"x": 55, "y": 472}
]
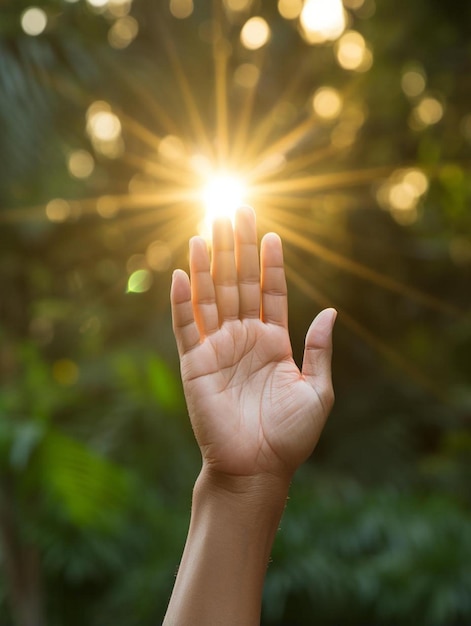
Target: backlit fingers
[{"x": 231, "y": 285}]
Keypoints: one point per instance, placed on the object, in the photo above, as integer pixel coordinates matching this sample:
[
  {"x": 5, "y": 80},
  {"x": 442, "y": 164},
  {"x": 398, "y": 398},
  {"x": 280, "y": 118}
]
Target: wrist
[{"x": 256, "y": 493}]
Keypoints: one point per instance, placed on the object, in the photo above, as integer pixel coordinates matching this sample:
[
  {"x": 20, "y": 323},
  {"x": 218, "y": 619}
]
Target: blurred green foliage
[{"x": 97, "y": 458}]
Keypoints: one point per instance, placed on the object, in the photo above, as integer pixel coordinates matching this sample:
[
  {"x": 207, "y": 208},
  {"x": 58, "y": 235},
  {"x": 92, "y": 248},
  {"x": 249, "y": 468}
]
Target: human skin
[{"x": 255, "y": 415}]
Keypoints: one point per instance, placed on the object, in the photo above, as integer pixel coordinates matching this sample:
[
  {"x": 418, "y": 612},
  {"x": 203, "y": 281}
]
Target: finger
[
  {"x": 203, "y": 295},
  {"x": 318, "y": 356},
  {"x": 274, "y": 291},
  {"x": 184, "y": 326},
  {"x": 224, "y": 272},
  {"x": 248, "y": 268}
]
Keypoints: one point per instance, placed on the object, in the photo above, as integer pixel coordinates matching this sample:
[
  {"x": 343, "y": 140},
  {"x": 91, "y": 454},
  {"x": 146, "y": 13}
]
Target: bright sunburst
[{"x": 222, "y": 195}]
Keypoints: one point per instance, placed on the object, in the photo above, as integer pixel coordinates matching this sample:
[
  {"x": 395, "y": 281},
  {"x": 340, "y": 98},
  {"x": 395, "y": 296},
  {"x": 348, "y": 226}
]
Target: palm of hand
[{"x": 248, "y": 400}]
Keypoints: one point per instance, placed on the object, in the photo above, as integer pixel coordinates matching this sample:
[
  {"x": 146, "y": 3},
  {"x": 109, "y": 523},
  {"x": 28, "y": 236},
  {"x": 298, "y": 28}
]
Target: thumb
[{"x": 318, "y": 356}]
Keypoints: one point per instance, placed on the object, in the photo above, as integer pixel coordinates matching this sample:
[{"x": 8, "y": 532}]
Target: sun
[{"x": 222, "y": 194}]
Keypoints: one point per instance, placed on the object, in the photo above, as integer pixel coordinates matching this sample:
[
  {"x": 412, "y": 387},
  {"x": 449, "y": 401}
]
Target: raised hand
[{"x": 252, "y": 410}]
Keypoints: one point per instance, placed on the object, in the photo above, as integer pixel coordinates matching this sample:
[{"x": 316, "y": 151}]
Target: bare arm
[{"x": 256, "y": 417}]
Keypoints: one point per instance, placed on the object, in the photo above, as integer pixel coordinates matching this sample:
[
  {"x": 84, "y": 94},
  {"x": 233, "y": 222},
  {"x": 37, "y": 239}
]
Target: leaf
[{"x": 90, "y": 488}]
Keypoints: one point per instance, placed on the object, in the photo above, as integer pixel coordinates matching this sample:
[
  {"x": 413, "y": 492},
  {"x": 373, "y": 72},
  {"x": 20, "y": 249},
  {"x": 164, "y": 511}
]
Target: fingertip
[
  {"x": 320, "y": 331},
  {"x": 245, "y": 210},
  {"x": 326, "y": 319},
  {"x": 271, "y": 249},
  {"x": 180, "y": 286},
  {"x": 271, "y": 237},
  {"x": 196, "y": 241},
  {"x": 176, "y": 273}
]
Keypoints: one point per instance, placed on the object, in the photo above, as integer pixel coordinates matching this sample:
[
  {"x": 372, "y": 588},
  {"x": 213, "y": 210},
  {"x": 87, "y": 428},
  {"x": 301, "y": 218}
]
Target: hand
[{"x": 253, "y": 412}]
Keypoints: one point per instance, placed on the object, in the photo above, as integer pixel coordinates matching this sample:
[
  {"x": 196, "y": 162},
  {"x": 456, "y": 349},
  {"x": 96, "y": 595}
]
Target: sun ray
[
  {"x": 361, "y": 271},
  {"x": 135, "y": 217},
  {"x": 173, "y": 228},
  {"x": 308, "y": 160},
  {"x": 176, "y": 173},
  {"x": 244, "y": 120},
  {"x": 124, "y": 201},
  {"x": 287, "y": 142},
  {"x": 324, "y": 182},
  {"x": 305, "y": 225},
  {"x": 187, "y": 93},
  {"x": 220, "y": 59},
  {"x": 265, "y": 128}
]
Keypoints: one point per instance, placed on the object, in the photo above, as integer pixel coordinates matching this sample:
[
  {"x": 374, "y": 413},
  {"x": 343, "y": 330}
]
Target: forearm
[{"x": 232, "y": 528}]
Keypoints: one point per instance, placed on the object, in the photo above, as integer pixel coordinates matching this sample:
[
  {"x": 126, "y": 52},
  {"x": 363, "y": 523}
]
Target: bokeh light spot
[
  {"x": 247, "y": 75},
  {"x": 417, "y": 179},
  {"x": 33, "y": 21},
  {"x": 105, "y": 126},
  {"x": 107, "y": 207},
  {"x": 181, "y": 9},
  {"x": 140, "y": 281},
  {"x": 290, "y": 9},
  {"x": 322, "y": 20},
  {"x": 123, "y": 32},
  {"x": 65, "y": 372},
  {"x": 429, "y": 111},
  {"x": 58, "y": 210},
  {"x": 402, "y": 196},
  {"x": 118, "y": 8},
  {"x": 97, "y": 4},
  {"x": 104, "y": 129},
  {"x": 401, "y": 193},
  {"x": 80, "y": 164},
  {"x": 352, "y": 52},
  {"x": 255, "y": 33},
  {"x": 327, "y": 103},
  {"x": 413, "y": 82}
]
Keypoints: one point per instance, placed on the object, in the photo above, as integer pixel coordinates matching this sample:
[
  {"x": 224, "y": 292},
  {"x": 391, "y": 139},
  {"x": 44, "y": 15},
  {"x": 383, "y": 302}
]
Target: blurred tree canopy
[{"x": 357, "y": 145}]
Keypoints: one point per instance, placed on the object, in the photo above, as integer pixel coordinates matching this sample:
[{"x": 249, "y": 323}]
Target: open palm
[{"x": 252, "y": 410}]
